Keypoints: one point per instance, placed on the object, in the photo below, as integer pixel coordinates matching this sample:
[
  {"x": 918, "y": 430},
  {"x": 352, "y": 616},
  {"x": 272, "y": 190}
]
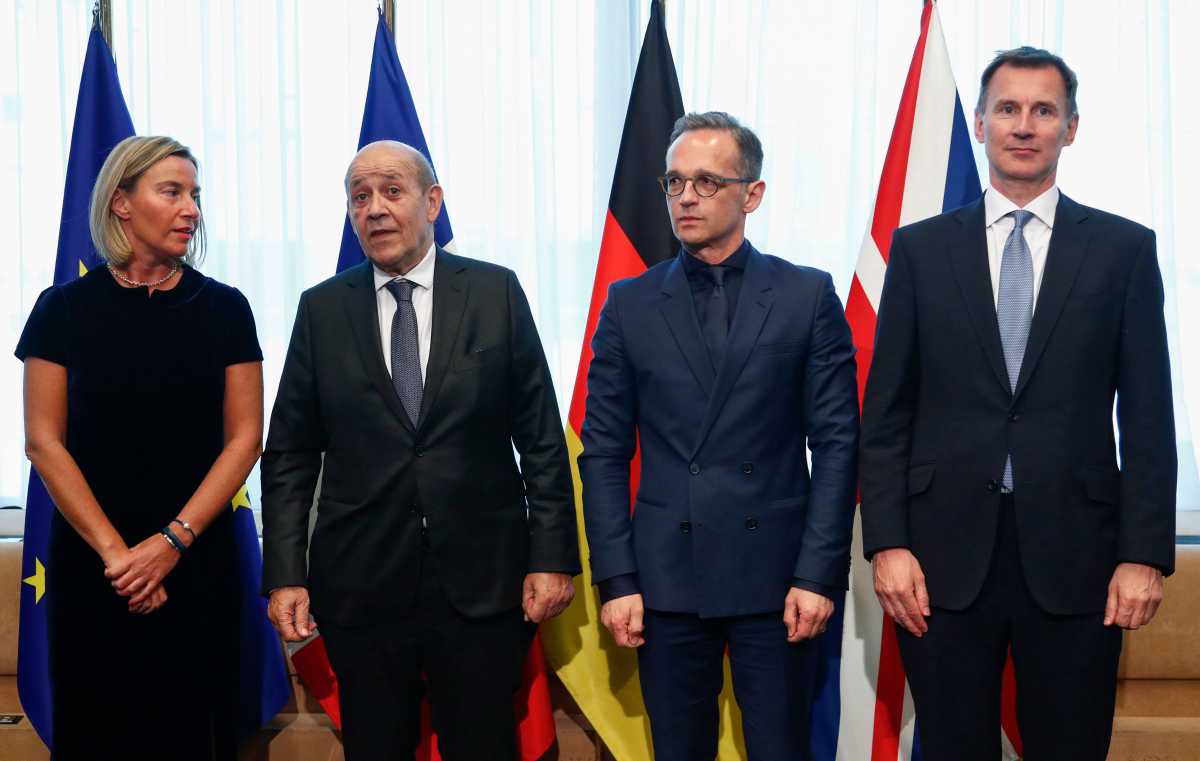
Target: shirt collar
[
  {"x": 736, "y": 260},
  {"x": 996, "y": 206},
  {"x": 420, "y": 276}
]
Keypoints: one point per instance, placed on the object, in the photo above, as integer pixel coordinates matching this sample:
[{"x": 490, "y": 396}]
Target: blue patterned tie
[
  {"x": 406, "y": 357},
  {"x": 1014, "y": 307}
]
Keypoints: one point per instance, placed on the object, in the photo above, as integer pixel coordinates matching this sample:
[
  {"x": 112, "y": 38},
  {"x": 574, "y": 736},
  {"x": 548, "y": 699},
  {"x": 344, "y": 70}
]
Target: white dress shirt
[
  {"x": 421, "y": 277},
  {"x": 1037, "y": 233}
]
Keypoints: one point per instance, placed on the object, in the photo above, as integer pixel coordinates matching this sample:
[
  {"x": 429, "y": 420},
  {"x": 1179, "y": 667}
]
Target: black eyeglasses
[{"x": 705, "y": 185}]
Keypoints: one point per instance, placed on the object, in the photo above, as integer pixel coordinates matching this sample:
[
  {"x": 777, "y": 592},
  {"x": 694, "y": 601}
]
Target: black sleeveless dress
[{"x": 145, "y": 393}]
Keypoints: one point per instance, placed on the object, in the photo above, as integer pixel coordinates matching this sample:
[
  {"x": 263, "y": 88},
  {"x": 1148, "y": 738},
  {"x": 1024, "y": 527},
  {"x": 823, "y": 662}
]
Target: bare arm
[
  {"x": 46, "y": 446},
  {"x": 152, "y": 559},
  {"x": 243, "y": 418}
]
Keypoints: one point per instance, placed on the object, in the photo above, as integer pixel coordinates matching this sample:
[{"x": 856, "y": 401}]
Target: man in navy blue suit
[{"x": 724, "y": 364}]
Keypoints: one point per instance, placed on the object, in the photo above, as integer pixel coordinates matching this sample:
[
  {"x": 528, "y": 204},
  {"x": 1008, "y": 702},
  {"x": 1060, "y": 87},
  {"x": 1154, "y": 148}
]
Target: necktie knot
[
  {"x": 401, "y": 290},
  {"x": 716, "y": 273},
  {"x": 1020, "y": 217}
]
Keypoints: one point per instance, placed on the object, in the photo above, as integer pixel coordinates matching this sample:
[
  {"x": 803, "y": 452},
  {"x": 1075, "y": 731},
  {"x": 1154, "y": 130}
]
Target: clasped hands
[
  {"x": 138, "y": 572},
  {"x": 1134, "y": 593},
  {"x": 805, "y": 615}
]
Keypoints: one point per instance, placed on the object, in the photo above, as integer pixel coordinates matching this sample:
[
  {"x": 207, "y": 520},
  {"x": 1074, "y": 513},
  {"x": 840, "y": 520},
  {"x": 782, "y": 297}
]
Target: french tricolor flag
[{"x": 929, "y": 169}]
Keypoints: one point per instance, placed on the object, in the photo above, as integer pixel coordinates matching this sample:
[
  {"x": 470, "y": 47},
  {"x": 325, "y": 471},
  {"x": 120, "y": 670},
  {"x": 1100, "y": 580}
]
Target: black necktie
[
  {"x": 716, "y": 317},
  {"x": 406, "y": 356}
]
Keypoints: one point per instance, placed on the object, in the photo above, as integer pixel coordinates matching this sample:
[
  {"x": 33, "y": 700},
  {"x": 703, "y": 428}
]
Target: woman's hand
[
  {"x": 139, "y": 571},
  {"x": 155, "y": 600}
]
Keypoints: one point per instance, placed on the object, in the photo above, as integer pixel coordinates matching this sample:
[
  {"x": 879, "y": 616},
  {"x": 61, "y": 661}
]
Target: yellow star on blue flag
[
  {"x": 241, "y": 499},
  {"x": 37, "y": 580}
]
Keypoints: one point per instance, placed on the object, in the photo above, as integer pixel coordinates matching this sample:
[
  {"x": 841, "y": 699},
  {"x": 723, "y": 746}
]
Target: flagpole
[
  {"x": 388, "y": 9},
  {"x": 102, "y": 18}
]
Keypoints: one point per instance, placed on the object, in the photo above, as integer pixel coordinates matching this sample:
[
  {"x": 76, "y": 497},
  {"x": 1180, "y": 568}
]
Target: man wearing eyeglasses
[{"x": 724, "y": 365}]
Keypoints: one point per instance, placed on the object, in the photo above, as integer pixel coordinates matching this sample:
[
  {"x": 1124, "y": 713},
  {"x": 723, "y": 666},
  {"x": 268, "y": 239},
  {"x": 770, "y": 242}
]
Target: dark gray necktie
[
  {"x": 1014, "y": 307},
  {"x": 716, "y": 317},
  {"x": 406, "y": 355}
]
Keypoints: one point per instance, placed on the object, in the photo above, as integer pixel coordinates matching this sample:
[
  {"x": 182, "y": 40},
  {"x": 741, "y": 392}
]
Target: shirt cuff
[{"x": 618, "y": 586}]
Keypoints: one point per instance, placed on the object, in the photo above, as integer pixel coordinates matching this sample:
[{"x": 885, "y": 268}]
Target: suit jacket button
[
  {"x": 418, "y": 451},
  {"x": 751, "y": 524},
  {"x": 694, "y": 469},
  {"x": 747, "y": 468},
  {"x": 1014, "y": 417},
  {"x": 685, "y": 527},
  {"x": 993, "y": 485}
]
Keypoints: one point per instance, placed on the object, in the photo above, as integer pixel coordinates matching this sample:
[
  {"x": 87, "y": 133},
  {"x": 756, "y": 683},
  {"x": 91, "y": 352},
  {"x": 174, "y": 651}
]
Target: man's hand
[
  {"x": 900, "y": 587},
  {"x": 1134, "y": 595},
  {"x": 622, "y": 616},
  {"x": 288, "y": 611},
  {"x": 545, "y": 595},
  {"x": 805, "y": 614}
]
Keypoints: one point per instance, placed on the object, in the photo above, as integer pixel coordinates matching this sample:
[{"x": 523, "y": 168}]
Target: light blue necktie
[
  {"x": 1014, "y": 307},
  {"x": 406, "y": 357}
]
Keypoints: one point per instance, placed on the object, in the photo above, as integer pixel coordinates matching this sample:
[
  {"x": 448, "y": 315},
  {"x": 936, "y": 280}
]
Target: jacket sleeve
[
  {"x": 537, "y": 433},
  {"x": 291, "y": 462},
  {"x": 889, "y": 406},
  {"x": 609, "y": 443},
  {"x": 1146, "y": 420},
  {"x": 831, "y": 412}
]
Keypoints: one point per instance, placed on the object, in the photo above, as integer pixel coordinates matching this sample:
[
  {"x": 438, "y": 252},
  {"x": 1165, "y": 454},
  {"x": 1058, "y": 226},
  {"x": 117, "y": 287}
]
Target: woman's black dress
[{"x": 145, "y": 393}]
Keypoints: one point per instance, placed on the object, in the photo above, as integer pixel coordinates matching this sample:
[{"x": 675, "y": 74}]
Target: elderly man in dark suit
[
  {"x": 995, "y": 510},
  {"x": 726, "y": 365},
  {"x": 413, "y": 376}
]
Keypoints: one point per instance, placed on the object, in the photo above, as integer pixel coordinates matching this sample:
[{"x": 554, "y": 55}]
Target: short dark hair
[
  {"x": 1026, "y": 57},
  {"x": 750, "y": 151}
]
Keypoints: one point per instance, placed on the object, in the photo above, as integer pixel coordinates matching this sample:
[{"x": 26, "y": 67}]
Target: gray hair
[
  {"x": 125, "y": 165},
  {"x": 750, "y": 151},
  {"x": 1026, "y": 57}
]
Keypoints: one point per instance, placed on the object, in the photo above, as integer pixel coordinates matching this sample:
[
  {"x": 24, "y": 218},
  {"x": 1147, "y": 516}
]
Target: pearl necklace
[{"x": 174, "y": 271}]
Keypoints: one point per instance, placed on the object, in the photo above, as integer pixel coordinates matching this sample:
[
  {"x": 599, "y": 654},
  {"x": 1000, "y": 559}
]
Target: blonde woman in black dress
[{"x": 143, "y": 416}]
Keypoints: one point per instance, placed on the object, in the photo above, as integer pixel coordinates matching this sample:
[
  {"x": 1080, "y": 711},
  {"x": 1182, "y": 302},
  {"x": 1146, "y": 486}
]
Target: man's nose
[
  {"x": 374, "y": 207},
  {"x": 689, "y": 196},
  {"x": 1024, "y": 125}
]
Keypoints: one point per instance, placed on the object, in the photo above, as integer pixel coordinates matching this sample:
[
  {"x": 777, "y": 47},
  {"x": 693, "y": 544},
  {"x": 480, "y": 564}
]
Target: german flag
[{"x": 637, "y": 234}]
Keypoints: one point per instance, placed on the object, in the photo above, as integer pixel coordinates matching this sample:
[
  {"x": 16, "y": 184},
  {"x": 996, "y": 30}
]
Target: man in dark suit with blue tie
[
  {"x": 411, "y": 383},
  {"x": 723, "y": 364},
  {"x": 995, "y": 510}
]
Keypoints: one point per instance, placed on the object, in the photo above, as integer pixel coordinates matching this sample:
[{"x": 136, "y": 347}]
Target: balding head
[{"x": 393, "y": 149}]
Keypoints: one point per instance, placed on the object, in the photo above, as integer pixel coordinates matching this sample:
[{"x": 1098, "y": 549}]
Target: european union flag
[
  {"x": 101, "y": 121},
  {"x": 264, "y": 686},
  {"x": 390, "y": 114}
]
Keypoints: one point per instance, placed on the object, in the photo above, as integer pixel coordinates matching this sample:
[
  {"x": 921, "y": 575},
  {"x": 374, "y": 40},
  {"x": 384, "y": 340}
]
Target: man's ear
[
  {"x": 1072, "y": 125},
  {"x": 754, "y": 195},
  {"x": 433, "y": 202}
]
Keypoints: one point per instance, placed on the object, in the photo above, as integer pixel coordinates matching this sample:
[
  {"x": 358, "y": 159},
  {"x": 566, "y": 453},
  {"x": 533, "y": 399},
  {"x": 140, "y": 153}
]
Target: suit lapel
[
  {"x": 362, "y": 312},
  {"x": 449, "y": 303},
  {"x": 969, "y": 260},
  {"x": 1068, "y": 242},
  {"x": 754, "y": 304},
  {"x": 679, "y": 312}
]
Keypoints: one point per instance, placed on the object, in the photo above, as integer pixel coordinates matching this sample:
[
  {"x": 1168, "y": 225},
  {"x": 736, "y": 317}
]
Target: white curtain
[{"x": 522, "y": 102}]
